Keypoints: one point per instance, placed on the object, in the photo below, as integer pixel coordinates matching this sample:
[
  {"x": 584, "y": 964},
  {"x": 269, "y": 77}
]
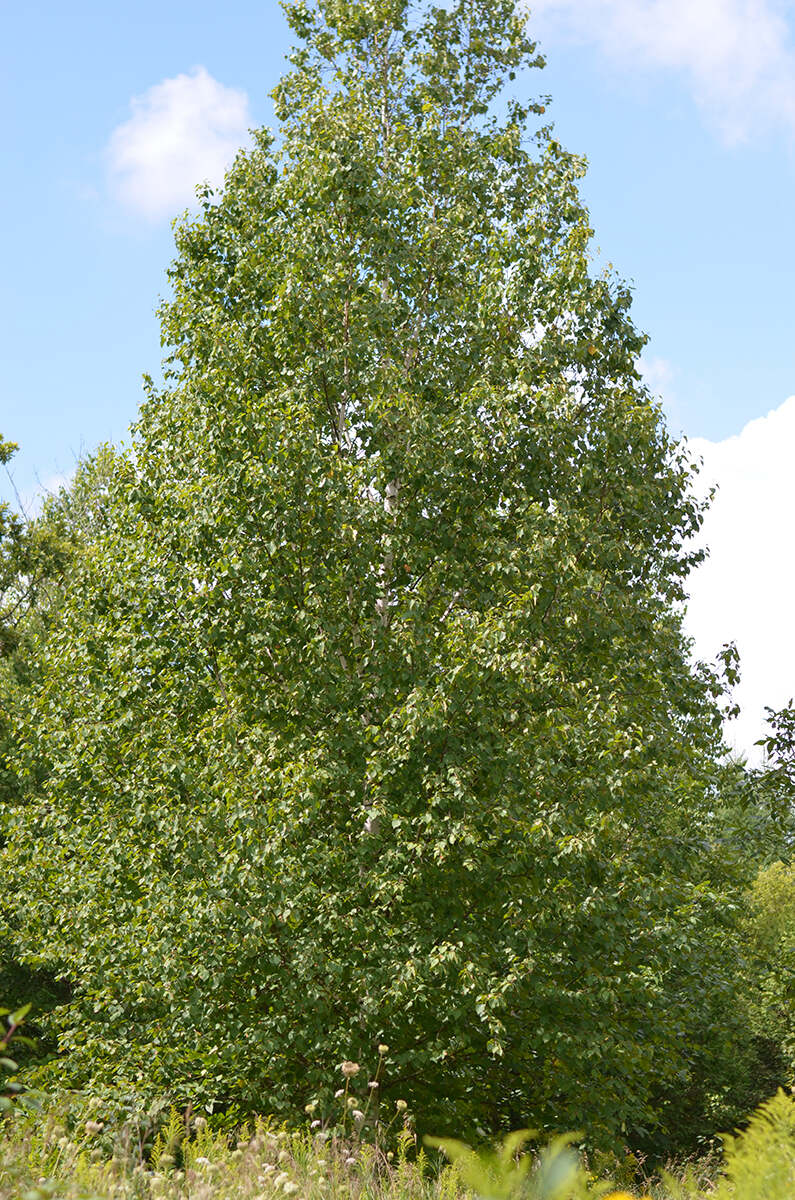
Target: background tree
[
  {"x": 368, "y": 714},
  {"x": 32, "y": 559}
]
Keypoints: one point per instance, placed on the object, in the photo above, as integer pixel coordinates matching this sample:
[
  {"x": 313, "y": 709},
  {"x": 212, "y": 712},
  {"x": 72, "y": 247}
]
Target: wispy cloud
[
  {"x": 744, "y": 591},
  {"x": 737, "y": 56},
  {"x": 182, "y": 132},
  {"x": 659, "y": 376}
]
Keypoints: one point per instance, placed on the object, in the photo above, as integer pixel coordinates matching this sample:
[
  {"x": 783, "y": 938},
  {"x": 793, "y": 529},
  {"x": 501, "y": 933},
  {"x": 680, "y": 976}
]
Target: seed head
[
  {"x": 349, "y": 1069},
  {"x": 94, "y": 1126},
  {"x": 383, "y": 1049},
  {"x": 401, "y": 1105}
]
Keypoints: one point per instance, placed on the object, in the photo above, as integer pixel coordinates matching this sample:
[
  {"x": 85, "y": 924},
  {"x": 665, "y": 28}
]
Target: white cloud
[
  {"x": 736, "y": 55},
  {"x": 745, "y": 591},
  {"x": 657, "y": 373},
  {"x": 659, "y": 376},
  {"x": 182, "y": 132}
]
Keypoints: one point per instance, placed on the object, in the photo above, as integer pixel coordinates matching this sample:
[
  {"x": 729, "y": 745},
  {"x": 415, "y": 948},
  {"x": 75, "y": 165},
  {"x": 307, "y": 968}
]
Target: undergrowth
[{"x": 42, "y": 1159}]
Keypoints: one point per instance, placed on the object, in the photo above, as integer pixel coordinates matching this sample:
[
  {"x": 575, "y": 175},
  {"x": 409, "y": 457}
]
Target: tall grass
[{"x": 49, "y": 1157}]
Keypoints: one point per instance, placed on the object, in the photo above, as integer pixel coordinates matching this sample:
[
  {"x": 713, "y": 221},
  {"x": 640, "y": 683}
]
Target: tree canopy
[{"x": 368, "y": 715}]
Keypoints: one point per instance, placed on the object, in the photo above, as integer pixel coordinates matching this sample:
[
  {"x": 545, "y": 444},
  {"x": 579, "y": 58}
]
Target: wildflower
[
  {"x": 290, "y": 1189},
  {"x": 351, "y": 1102},
  {"x": 357, "y": 1114},
  {"x": 284, "y": 1156},
  {"x": 200, "y": 1122},
  {"x": 310, "y": 1108},
  {"x": 389, "y": 1156},
  {"x": 401, "y": 1105},
  {"x": 316, "y": 1123},
  {"x": 383, "y": 1049},
  {"x": 373, "y": 1084},
  {"x": 350, "y": 1162},
  {"x": 349, "y": 1069},
  {"x": 94, "y": 1126},
  {"x": 339, "y": 1092},
  {"x": 281, "y": 1179}
]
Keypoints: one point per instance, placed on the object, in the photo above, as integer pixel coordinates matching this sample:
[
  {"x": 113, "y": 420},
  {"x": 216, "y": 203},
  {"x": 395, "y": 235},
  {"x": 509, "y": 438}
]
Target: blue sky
[{"x": 684, "y": 108}]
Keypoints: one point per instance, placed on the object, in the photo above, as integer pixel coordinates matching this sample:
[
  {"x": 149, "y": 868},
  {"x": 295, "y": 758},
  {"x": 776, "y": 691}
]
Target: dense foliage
[
  {"x": 33, "y": 557},
  {"x": 367, "y": 713}
]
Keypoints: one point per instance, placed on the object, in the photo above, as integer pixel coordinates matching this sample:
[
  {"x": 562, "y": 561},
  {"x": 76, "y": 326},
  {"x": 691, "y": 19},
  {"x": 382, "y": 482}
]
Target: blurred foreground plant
[
  {"x": 9, "y": 1087},
  {"x": 557, "y": 1173}
]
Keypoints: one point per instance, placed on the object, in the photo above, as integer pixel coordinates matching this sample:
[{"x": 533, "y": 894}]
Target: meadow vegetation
[{"x": 350, "y": 705}]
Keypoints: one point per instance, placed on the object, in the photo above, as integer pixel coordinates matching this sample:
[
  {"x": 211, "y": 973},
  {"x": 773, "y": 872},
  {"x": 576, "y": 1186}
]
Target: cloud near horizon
[
  {"x": 182, "y": 132},
  {"x": 737, "y": 56},
  {"x": 745, "y": 591}
]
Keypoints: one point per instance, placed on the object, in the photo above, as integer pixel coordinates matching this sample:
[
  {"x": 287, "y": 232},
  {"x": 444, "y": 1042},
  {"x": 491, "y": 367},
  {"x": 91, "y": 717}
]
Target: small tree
[{"x": 368, "y": 715}]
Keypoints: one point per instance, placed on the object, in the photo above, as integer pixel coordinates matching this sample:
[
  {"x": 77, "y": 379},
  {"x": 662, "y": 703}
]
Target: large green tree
[{"x": 368, "y": 714}]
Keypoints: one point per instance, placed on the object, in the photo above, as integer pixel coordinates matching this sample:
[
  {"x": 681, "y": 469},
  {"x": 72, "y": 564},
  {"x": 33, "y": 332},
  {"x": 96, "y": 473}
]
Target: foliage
[
  {"x": 263, "y": 1162},
  {"x": 10, "y": 1024},
  {"x": 759, "y": 1162},
  {"x": 33, "y": 557},
  {"x": 500, "y": 1174},
  {"x": 771, "y": 992},
  {"x": 367, "y": 714},
  {"x": 778, "y": 777},
  {"x": 30, "y": 555}
]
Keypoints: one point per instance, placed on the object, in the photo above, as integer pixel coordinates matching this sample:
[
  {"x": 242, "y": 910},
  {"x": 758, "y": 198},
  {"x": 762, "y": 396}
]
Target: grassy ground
[{"x": 42, "y": 1159}]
